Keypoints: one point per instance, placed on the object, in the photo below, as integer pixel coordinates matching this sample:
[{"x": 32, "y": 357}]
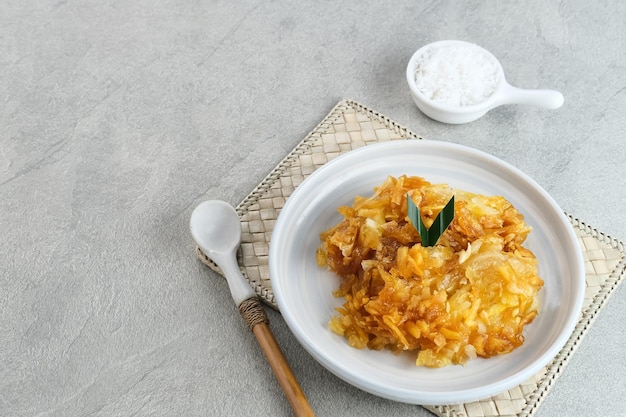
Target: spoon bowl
[
  {"x": 215, "y": 226},
  {"x": 503, "y": 94}
]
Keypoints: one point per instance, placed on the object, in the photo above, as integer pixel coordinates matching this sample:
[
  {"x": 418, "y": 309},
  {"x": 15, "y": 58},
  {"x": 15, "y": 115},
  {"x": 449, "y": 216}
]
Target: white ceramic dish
[
  {"x": 304, "y": 291},
  {"x": 503, "y": 94}
]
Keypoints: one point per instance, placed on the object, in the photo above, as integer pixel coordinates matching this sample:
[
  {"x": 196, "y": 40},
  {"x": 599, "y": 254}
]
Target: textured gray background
[{"x": 117, "y": 117}]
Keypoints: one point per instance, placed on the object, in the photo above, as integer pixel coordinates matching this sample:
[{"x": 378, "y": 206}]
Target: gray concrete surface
[{"x": 117, "y": 117}]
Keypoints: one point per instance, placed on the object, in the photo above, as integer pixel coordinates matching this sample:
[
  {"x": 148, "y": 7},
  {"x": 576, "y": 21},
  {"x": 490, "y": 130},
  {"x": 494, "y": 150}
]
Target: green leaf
[{"x": 442, "y": 221}]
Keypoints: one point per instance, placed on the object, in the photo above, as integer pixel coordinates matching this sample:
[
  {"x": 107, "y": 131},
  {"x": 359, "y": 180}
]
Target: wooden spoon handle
[{"x": 257, "y": 320}]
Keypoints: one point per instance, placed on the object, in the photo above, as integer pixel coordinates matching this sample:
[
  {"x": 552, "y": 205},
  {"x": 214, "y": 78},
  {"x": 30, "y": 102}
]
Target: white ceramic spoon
[
  {"x": 503, "y": 94},
  {"x": 216, "y": 229}
]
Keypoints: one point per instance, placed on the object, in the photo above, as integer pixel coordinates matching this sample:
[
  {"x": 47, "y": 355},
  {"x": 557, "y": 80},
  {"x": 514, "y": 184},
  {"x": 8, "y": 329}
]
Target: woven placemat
[{"x": 351, "y": 125}]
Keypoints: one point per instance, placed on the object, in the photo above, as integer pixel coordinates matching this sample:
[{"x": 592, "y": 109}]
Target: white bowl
[
  {"x": 304, "y": 291},
  {"x": 504, "y": 92}
]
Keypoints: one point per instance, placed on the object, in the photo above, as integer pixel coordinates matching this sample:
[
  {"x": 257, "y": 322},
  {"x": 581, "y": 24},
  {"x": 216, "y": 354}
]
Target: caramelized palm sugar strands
[{"x": 468, "y": 296}]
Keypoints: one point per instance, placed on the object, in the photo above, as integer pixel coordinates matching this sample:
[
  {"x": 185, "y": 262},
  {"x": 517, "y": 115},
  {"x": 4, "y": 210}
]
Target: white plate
[{"x": 304, "y": 291}]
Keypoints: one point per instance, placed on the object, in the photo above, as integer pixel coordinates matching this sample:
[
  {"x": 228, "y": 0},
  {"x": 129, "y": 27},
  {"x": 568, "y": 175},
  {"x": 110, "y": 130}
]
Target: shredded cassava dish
[{"x": 470, "y": 295}]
